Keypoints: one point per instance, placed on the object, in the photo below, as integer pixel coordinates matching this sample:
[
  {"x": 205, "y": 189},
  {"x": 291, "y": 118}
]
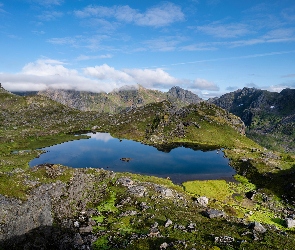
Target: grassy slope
[{"x": 153, "y": 124}]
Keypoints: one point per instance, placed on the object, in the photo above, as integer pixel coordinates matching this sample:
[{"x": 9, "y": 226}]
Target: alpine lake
[{"x": 179, "y": 162}]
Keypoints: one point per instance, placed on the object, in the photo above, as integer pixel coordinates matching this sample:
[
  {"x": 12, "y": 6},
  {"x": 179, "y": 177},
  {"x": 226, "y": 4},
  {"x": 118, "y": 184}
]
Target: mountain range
[
  {"x": 126, "y": 97},
  {"x": 268, "y": 116}
]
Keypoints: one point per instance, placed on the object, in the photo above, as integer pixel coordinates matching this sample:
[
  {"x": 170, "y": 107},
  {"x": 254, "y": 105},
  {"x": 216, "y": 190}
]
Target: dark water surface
[{"x": 103, "y": 151}]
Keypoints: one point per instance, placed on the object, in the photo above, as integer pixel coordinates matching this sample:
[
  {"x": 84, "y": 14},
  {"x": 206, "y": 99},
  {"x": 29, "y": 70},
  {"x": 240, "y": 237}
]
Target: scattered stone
[
  {"x": 256, "y": 226},
  {"x": 164, "y": 245},
  {"x": 168, "y": 223},
  {"x": 290, "y": 223},
  {"x": 144, "y": 206},
  {"x": 87, "y": 229},
  {"x": 78, "y": 241},
  {"x": 191, "y": 226},
  {"x": 214, "y": 213},
  {"x": 76, "y": 224},
  {"x": 166, "y": 192},
  {"x": 128, "y": 213},
  {"x": 224, "y": 240},
  {"x": 154, "y": 232},
  {"x": 203, "y": 201},
  {"x": 125, "y": 181},
  {"x": 137, "y": 190}
]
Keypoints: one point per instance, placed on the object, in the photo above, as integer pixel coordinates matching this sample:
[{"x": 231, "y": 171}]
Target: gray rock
[
  {"x": 164, "y": 245},
  {"x": 137, "y": 190},
  {"x": 87, "y": 229},
  {"x": 203, "y": 201},
  {"x": 290, "y": 223},
  {"x": 214, "y": 213},
  {"x": 256, "y": 226},
  {"x": 168, "y": 223},
  {"x": 166, "y": 192},
  {"x": 224, "y": 240},
  {"x": 125, "y": 181}
]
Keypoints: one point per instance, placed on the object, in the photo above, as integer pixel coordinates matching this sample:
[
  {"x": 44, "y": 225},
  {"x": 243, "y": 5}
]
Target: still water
[{"x": 103, "y": 151}]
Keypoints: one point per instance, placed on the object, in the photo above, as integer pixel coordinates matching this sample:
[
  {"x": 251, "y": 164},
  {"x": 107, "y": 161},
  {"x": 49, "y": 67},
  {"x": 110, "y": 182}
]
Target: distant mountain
[
  {"x": 127, "y": 97},
  {"x": 269, "y": 116},
  {"x": 185, "y": 96}
]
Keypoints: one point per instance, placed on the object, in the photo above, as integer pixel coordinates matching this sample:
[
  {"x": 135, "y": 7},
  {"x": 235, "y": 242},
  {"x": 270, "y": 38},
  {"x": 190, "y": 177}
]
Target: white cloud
[
  {"x": 153, "y": 77},
  {"x": 45, "y": 73},
  {"x": 47, "y": 67},
  {"x": 203, "y": 84},
  {"x": 231, "y": 30},
  {"x": 110, "y": 74},
  {"x": 48, "y": 2},
  {"x": 150, "y": 78},
  {"x": 168, "y": 43},
  {"x": 158, "y": 16},
  {"x": 85, "y": 57},
  {"x": 50, "y": 15}
]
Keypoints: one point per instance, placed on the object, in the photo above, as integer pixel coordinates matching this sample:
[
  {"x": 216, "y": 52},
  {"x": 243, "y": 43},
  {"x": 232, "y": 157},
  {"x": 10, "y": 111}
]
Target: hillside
[
  {"x": 269, "y": 116},
  {"x": 126, "y": 97},
  {"x": 30, "y": 122},
  {"x": 51, "y": 206}
]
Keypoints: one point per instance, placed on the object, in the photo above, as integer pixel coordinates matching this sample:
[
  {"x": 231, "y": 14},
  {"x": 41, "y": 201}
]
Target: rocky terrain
[
  {"x": 126, "y": 97},
  {"x": 96, "y": 209},
  {"x": 269, "y": 116},
  {"x": 55, "y": 207}
]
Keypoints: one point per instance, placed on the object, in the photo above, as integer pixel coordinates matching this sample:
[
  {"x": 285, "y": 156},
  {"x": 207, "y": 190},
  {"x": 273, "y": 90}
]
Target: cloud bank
[{"x": 49, "y": 73}]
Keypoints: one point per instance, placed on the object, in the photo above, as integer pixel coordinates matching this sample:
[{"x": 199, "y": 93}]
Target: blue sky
[{"x": 207, "y": 46}]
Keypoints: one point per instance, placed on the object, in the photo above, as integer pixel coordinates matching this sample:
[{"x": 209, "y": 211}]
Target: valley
[{"x": 94, "y": 207}]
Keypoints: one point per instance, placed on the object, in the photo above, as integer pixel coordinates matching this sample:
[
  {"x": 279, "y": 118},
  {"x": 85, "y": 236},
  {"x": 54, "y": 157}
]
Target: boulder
[
  {"x": 214, "y": 213},
  {"x": 290, "y": 223},
  {"x": 203, "y": 201},
  {"x": 168, "y": 223},
  {"x": 125, "y": 181},
  {"x": 138, "y": 191},
  {"x": 256, "y": 226}
]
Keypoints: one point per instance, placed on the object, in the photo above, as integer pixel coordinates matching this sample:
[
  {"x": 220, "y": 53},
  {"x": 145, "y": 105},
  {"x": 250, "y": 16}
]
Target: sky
[{"x": 210, "y": 47}]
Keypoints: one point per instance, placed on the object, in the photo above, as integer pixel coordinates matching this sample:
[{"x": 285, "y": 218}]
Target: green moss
[{"x": 213, "y": 189}]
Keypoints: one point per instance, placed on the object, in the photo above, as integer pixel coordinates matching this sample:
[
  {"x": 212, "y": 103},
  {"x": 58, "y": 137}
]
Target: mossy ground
[{"x": 19, "y": 132}]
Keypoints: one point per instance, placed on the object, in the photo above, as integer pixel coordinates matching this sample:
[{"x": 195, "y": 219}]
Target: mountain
[
  {"x": 126, "y": 97},
  {"x": 51, "y": 206},
  {"x": 269, "y": 116},
  {"x": 185, "y": 96}
]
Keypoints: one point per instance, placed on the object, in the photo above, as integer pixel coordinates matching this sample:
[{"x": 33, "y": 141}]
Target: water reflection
[{"x": 175, "y": 161}]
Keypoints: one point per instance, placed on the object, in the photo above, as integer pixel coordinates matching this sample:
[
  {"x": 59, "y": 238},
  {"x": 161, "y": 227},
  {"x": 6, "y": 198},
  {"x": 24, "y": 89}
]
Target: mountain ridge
[
  {"x": 120, "y": 99},
  {"x": 268, "y": 116}
]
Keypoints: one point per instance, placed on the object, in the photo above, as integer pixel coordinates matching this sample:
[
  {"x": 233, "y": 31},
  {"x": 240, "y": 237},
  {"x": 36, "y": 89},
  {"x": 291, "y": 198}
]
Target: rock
[
  {"x": 290, "y": 223},
  {"x": 78, "y": 241},
  {"x": 191, "y": 226},
  {"x": 214, "y": 213},
  {"x": 144, "y": 206},
  {"x": 203, "y": 201},
  {"x": 168, "y": 223},
  {"x": 164, "y": 245},
  {"x": 154, "y": 232},
  {"x": 256, "y": 226},
  {"x": 87, "y": 229},
  {"x": 128, "y": 213},
  {"x": 224, "y": 240},
  {"x": 166, "y": 192},
  {"x": 138, "y": 191},
  {"x": 125, "y": 181},
  {"x": 76, "y": 224}
]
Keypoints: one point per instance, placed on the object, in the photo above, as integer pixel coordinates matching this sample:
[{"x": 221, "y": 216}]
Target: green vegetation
[{"x": 124, "y": 220}]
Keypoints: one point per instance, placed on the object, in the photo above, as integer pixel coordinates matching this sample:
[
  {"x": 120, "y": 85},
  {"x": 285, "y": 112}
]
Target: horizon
[{"x": 209, "y": 47}]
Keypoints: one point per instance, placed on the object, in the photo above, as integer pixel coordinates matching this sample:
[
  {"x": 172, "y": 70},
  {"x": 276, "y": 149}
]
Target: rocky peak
[{"x": 183, "y": 95}]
